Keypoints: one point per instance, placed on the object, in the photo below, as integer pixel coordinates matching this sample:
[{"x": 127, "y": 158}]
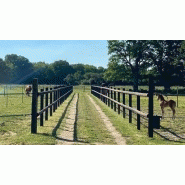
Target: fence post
[
  {"x": 124, "y": 103},
  {"x": 34, "y": 106},
  {"x": 177, "y": 96},
  {"x": 108, "y": 94},
  {"x": 22, "y": 94},
  {"x": 119, "y": 101},
  {"x": 101, "y": 98},
  {"x": 138, "y": 115},
  {"x": 56, "y": 97},
  {"x": 111, "y": 98},
  {"x": 115, "y": 99},
  {"x": 59, "y": 97},
  {"x": 51, "y": 102},
  {"x": 46, "y": 104},
  {"x": 41, "y": 107},
  {"x": 150, "y": 120},
  {"x": 130, "y": 105}
]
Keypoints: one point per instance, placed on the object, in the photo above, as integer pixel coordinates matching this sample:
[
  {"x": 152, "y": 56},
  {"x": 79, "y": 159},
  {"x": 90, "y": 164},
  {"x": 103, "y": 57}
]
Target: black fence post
[
  {"x": 41, "y": 107},
  {"x": 46, "y": 104},
  {"x": 59, "y": 97},
  {"x": 51, "y": 102},
  {"x": 115, "y": 100},
  {"x": 106, "y": 100},
  {"x": 130, "y": 105},
  {"x": 101, "y": 98},
  {"x": 150, "y": 120},
  {"x": 119, "y": 101},
  {"x": 138, "y": 115},
  {"x": 111, "y": 98},
  {"x": 34, "y": 106},
  {"x": 108, "y": 94},
  {"x": 124, "y": 103},
  {"x": 54, "y": 98}
]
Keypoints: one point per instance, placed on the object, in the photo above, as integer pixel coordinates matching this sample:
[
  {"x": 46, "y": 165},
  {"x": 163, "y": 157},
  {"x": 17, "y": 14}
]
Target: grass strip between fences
[{"x": 153, "y": 121}]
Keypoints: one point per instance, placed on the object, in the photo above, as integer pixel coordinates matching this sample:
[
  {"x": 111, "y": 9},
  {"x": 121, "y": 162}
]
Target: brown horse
[
  {"x": 164, "y": 103},
  {"x": 28, "y": 90}
]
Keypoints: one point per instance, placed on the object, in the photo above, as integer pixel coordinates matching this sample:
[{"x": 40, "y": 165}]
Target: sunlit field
[{"x": 20, "y": 105}]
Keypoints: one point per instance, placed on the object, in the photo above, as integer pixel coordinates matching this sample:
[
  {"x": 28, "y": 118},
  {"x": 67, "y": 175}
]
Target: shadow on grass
[
  {"x": 173, "y": 133},
  {"x": 54, "y": 133},
  {"x": 169, "y": 138}
]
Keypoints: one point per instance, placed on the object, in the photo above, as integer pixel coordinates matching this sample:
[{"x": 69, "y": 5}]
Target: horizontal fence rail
[
  {"x": 57, "y": 96},
  {"x": 111, "y": 97}
]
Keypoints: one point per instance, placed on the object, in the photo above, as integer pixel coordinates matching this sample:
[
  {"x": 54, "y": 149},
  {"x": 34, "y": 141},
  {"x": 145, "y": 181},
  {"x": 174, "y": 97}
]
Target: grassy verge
[
  {"x": 18, "y": 130},
  {"x": 129, "y": 130},
  {"x": 90, "y": 127}
]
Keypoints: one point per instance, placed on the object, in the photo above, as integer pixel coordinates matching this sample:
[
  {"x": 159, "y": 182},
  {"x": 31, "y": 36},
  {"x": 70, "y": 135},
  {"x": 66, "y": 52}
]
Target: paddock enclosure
[
  {"x": 144, "y": 107},
  {"x": 17, "y": 107}
]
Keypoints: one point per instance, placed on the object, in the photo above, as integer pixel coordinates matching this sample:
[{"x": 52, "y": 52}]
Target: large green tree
[
  {"x": 61, "y": 69},
  {"x": 132, "y": 53},
  {"x": 166, "y": 56},
  {"x": 5, "y": 72},
  {"x": 117, "y": 71},
  {"x": 21, "y": 67}
]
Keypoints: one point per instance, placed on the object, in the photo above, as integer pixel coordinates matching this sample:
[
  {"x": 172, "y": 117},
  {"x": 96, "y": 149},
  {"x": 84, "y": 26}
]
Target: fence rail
[
  {"x": 57, "y": 97},
  {"x": 111, "y": 97}
]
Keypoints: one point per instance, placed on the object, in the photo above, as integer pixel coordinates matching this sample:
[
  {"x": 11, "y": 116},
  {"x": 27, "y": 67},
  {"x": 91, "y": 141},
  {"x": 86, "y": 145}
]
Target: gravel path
[
  {"x": 117, "y": 136},
  {"x": 67, "y": 135}
]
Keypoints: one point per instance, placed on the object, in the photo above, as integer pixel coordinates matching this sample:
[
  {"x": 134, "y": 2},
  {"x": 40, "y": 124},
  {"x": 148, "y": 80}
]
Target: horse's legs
[{"x": 173, "y": 110}]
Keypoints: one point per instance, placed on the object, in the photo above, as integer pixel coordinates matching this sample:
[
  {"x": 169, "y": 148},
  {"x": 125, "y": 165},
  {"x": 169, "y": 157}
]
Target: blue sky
[{"x": 93, "y": 52}]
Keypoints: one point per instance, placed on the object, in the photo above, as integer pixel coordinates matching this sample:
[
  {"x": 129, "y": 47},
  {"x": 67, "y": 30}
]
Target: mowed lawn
[{"x": 90, "y": 128}]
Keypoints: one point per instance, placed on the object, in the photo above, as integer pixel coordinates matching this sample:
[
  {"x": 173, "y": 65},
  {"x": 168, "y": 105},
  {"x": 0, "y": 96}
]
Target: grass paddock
[{"x": 16, "y": 130}]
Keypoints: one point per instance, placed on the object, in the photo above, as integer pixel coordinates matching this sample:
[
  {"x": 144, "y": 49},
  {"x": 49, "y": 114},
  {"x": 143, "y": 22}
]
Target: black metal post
[
  {"x": 51, "y": 103},
  {"x": 108, "y": 94},
  {"x": 118, "y": 101},
  {"x": 41, "y": 107},
  {"x": 54, "y": 98},
  {"x": 34, "y": 106},
  {"x": 124, "y": 103},
  {"x": 114, "y": 99},
  {"x": 111, "y": 98},
  {"x": 138, "y": 115},
  {"x": 46, "y": 104},
  {"x": 150, "y": 120},
  {"x": 130, "y": 105}
]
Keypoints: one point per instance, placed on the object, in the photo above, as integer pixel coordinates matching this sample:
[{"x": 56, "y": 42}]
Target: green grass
[
  {"x": 129, "y": 130},
  {"x": 90, "y": 127},
  {"x": 17, "y": 131}
]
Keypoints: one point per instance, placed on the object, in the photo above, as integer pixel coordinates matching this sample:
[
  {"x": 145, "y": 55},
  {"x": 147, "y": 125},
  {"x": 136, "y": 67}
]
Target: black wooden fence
[
  {"x": 111, "y": 97},
  {"x": 57, "y": 96}
]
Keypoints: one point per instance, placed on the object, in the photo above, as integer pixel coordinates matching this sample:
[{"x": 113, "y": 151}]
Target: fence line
[
  {"x": 57, "y": 96},
  {"x": 109, "y": 96}
]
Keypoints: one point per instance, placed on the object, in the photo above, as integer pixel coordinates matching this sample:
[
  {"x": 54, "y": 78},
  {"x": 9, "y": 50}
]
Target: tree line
[
  {"x": 19, "y": 70},
  {"x": 130, "y": 62}
]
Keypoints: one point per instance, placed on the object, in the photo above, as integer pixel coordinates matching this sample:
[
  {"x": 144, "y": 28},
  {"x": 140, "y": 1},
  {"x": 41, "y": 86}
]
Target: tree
[
  {"x": 5, "y": 72},
  {"x": 61, "y": 69},
  {"x": 165, "y": 56},
  {"x": 116, "y": 71},
  {"x": 79, "y": 67},
  {"x": 90, "y": 69},
  {"x": 21, "y": 67},
  {"x": 132, "y": 53}
]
